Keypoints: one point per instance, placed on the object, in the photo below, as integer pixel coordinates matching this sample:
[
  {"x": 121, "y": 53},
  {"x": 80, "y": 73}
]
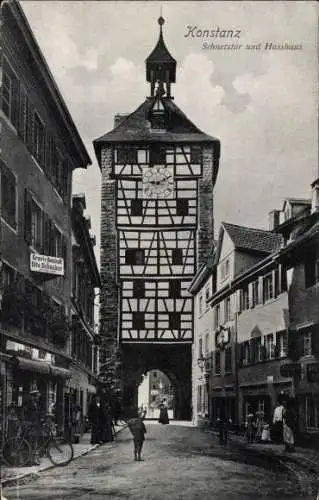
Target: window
[
  {"x": 267, "y": 287},
  {"x": 158, "y": 120},
  {"x": 217, "y": 316},
  {"x": 282, "y": 344},
  {"x": 245, "y": 299},
  {"x": 269, "y": 346},
  {"x": 217, "y": 362},
  {"x": 307, "y": 343},
  {"x": 255, "y": 293},
  {"x": 38, "y": 139},
  {"x": 224, "y": 269},
  {"x": 245, "y": 356},
  {"x": 126, "y": 155},
  {"x": 157, "y": 154},
  {"x": 312, "y": 411},
  {"x": 196, "y": 154},
  {"x": 174, "y": 321},
  {"x": 138, "y": 289},
  {"x": 200, "y": 347},
  {"x": 23, "y": 114},
  {"x": 207, "y": 291},
  {"x": 10, "y": 94},
  {"x": 228, "y": 360},
  {"x": 138, "y": 321},
  {"x": 134, "y": 256},
  {"x": 7, "y": 276},
  {"x": 177, "y": 256},
  {"x": 200, "y": 304},
  {"x": 206, "y": 342},
  {"x": 181, "y": 206},
  {"x": 311, "y": 269},
  {"x": 136, "y": 207},
  {"x": 227, "y": 309},
  {"x": 57, "y": 250},
  {"x": 8, "y": 196},
  {"x": 174, "y": 288},
  {"x": 36, "y": 226}
]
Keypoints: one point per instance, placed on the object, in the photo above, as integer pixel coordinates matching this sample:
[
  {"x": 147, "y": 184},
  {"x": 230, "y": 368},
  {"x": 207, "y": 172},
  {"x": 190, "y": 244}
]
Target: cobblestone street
[{"x": 180, "y": 462}]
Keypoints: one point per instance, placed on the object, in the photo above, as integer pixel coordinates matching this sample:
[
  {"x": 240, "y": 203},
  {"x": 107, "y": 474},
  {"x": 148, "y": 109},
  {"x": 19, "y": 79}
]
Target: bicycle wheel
[
  {"x": 16, "y": 452},
  {"x": 60, "y": 451}
]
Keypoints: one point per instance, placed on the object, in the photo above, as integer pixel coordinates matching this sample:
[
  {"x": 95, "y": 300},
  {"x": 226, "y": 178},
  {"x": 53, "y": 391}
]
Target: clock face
[{"x": 158, "y": 182}]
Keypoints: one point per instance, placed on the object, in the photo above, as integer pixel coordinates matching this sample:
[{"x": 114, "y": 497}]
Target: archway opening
[{"x": 156, "y": 388}]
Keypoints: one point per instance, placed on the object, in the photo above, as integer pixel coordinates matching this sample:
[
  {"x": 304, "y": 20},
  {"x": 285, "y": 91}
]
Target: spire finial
[{"x": 161, "y": 20}]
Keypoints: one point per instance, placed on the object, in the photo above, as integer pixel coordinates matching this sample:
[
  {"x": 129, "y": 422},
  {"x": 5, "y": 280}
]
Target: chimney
[
  {"x": 274, "y": 219},
  {"x": 315, "y": 197},
  {"x": 119, "y": 118}
]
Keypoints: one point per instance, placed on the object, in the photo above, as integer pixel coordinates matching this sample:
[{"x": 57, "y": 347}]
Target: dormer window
[{"x": 158, "y": 120}]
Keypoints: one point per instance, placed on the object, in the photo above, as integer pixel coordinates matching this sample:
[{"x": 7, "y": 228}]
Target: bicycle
[{"x": 18, "y": 451}]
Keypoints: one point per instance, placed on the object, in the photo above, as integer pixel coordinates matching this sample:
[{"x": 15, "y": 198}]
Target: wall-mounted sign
[{"x": 47, "y": 264}]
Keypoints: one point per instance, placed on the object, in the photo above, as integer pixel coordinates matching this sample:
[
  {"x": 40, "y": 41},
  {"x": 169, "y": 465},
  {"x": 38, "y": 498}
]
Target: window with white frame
[
  {"x": 255, "y": 293},
  {"x": 227, "y": 309},
  {"x": 200, "y": 304},
  {"x": 245, "y": 298},
  {"x": 245, "y": 353},
  {"x": 307, "y": 343},
  {"x": 267, "y": 287},
  {"x": 269, "y": 346},
  {"x": 224, "y": 269},
  {"x": 217, "y": 316},
  {"x": 282, "y": 344}
]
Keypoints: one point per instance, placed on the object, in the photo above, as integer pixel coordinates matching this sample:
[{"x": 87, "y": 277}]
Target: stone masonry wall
[
  {"x": 206, "y": 208},
  {"x": 109, "y": 302}
]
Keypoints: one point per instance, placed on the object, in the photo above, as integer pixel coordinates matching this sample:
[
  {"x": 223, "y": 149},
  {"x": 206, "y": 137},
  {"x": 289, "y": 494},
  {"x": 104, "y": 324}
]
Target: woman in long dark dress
[
  {"x": 163, "y": 416},
  {"x": 95, "y": 417}
]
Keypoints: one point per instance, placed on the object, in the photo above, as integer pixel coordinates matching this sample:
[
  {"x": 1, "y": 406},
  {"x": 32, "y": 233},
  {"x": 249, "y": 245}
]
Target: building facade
[
  {"x": 263, "y": 342},
  {"x": 40, "y": 148},
  {"x": 84, "y": 342},
  {"x": 158, "y": 173}
]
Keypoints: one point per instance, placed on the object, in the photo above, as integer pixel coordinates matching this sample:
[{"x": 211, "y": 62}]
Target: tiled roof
[
  {"x": 160, "y": 53},
  {"x": 136, "y": 127},
  {"x": 252, "y": 239}
]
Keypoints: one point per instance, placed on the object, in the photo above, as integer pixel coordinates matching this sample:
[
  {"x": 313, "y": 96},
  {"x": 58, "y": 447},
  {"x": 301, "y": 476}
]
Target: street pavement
[{"x": 181, "y": 462}]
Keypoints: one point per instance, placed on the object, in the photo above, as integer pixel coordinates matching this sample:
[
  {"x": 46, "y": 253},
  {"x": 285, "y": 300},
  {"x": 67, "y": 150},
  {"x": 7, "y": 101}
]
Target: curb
[{"x": 34, "y": 474}]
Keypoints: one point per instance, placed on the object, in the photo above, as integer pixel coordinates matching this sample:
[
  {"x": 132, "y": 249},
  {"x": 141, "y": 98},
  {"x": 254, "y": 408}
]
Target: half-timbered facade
[{"x": 158, "y": 173}]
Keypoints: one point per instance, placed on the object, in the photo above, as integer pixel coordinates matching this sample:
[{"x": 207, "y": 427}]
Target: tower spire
[{"x": 160, "y": 65}]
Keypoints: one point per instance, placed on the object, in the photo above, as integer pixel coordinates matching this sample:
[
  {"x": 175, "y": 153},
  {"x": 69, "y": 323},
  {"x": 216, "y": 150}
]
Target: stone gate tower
[{"x": 158, "y": 175}]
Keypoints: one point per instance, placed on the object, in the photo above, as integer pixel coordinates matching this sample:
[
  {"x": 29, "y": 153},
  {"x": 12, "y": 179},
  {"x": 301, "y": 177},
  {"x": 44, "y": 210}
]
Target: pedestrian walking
[
  {"x": 163, "y": 416},
  {"x": 260, "y": 422},
  {"x": 107, "y": 423},
  {"x": 138, "y": 430},
  {"x": 277, "y": 427},
  {"x": 95, "y": 417},
  {"x": 251, "y": 427}
]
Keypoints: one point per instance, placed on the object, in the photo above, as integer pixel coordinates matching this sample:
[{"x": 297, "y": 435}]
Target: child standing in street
[{"x": 138, "y": 430}]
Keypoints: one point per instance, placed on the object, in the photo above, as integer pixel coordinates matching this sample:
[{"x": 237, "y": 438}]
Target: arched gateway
[{"x": 158, "y": 174}]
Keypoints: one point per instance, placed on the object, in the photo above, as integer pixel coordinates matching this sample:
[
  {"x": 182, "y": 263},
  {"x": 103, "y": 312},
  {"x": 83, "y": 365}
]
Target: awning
[
  {"x": 33, "y": 365},
  {"x": 58, "y": 371}
]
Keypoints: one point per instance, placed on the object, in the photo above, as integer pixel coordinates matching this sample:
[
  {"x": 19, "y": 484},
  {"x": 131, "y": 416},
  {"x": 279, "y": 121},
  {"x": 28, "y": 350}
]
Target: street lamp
[{"x": 201, "y": 362}]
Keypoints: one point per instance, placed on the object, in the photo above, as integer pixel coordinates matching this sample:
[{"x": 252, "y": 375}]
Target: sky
[{"x": 260, "y": 103}]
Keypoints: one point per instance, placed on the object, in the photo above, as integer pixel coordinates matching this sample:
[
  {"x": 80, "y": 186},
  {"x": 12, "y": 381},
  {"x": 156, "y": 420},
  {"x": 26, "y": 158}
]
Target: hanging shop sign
[
  {"x": 46, "y": 264},
  {"x": 222, "y": 337}
]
